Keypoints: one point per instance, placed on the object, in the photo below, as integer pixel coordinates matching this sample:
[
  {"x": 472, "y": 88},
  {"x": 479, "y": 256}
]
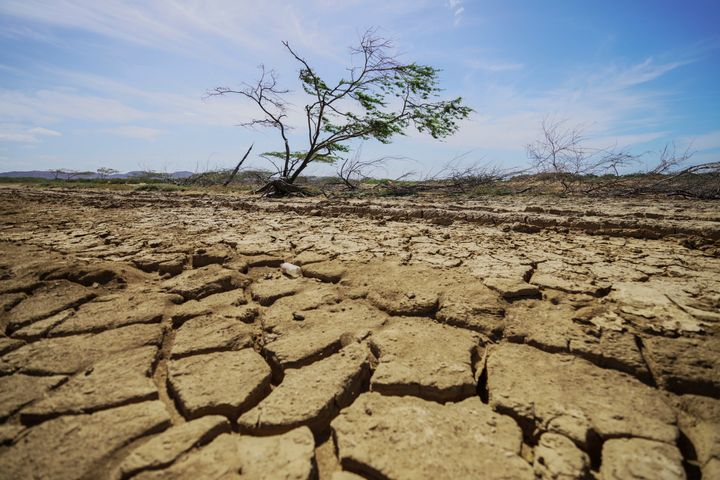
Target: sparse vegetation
[{"x": 564, "y": 153}]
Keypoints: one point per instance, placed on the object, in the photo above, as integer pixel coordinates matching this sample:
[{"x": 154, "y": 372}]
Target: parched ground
[{"x": 153, "y": 335}]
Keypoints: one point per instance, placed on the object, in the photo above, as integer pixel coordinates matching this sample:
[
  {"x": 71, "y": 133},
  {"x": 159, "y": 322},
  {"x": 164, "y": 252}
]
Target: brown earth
[{"x": 153, "y": 335}]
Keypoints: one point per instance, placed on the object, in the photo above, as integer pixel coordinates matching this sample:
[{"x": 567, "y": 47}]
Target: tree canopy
[{"x": 378, "y": 99}]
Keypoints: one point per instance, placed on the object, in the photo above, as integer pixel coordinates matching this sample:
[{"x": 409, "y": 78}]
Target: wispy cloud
[
  {"x": 51, "y": 105},
  {"x": 44, "y": 131},
  {"x": 114, "y": 103},
  {"x": 225, "y": 39},
  {"x": 457, "y": 8},
  {"x": 607, "y": 104},
  {"x": 704, "y": 142},
  {"x": 133, "y": 131},
  {"x": 494, "y": 66},
  {"x": 621, "y": 77},
  {"x": 208, "y": 29},
  {"x": 18, "y": 133}
]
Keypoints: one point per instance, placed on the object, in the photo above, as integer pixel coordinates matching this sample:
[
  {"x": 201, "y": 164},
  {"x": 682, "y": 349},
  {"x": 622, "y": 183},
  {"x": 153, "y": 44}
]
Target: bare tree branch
[{"x": 237, "y": 167}]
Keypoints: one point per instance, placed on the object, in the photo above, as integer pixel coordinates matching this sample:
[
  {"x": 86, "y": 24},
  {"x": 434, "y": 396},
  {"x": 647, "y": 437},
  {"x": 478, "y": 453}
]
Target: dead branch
[
  {"x": 237, "y": 167},
  {"x": 354, "y": 170},
  {"x": 563, "y": 153}
]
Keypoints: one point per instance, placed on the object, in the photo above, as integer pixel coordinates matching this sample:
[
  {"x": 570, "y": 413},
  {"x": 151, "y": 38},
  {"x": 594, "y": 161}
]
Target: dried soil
[{"x": 153, "y": 335}]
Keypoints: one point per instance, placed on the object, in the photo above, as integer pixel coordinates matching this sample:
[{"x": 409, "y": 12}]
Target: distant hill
[{"x": 46, "y": 174}]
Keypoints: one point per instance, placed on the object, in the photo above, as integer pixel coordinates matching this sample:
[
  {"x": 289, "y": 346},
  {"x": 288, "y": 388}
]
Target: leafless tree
[
  {"x": 667, "y": 178},
  {"x": 563, "y": 152},
  {"x": 351, "y": 171},
  {"x": 670, "y": 158}
]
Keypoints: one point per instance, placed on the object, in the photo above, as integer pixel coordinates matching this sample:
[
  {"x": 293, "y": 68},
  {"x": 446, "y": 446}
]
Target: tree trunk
[{"x": 281, "y": 188}]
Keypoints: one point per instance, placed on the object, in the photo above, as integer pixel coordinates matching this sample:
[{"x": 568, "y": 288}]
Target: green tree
[
  {"x": 380, "y": 98},
  {"x": 105, "y": 172}
]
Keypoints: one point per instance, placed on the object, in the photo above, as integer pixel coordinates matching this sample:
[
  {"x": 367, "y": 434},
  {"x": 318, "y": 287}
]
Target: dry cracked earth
[{"x": 153, "y": 335}]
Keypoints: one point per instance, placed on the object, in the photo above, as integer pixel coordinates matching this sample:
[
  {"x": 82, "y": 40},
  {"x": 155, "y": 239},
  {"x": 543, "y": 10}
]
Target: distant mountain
[
  {"x": 51, "y": 175},
  {"x": 31, "y": 173}
]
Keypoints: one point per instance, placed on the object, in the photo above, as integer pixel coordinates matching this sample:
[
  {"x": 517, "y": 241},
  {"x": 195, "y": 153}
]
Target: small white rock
[{"x": 292, "y": 271}]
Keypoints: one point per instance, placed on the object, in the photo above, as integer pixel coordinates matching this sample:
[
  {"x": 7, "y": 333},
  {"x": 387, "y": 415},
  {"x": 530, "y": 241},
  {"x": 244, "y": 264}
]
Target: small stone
[{"x": 292, "y": 271}]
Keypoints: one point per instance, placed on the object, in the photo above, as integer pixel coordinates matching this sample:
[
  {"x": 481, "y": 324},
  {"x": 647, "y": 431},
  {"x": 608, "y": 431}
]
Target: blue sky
[{"x": 89, "y": 84}]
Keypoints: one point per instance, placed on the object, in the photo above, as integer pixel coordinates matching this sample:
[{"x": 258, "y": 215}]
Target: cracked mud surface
[{"x": 151, "y": 335}]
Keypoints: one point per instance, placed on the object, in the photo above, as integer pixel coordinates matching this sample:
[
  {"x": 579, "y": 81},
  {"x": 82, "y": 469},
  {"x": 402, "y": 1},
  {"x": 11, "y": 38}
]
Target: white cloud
[
  {"x": 52, "y": 105},
  {"x": 243, "y": 32},
  {"x": 44, "y": 131},
  {"x": 114, "y": 103},
  {"x": 606, "y": 105},
  {"x": 19, "y": 133},
  {"x": 493, "y": 67},
  {"x": 133, "y": 131},
  {"x": 456, "y": 6},
  {"x": 209, "y": 29},
  {"x": 646, "y": 71},
  {"x": 705, "y": 141}
]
